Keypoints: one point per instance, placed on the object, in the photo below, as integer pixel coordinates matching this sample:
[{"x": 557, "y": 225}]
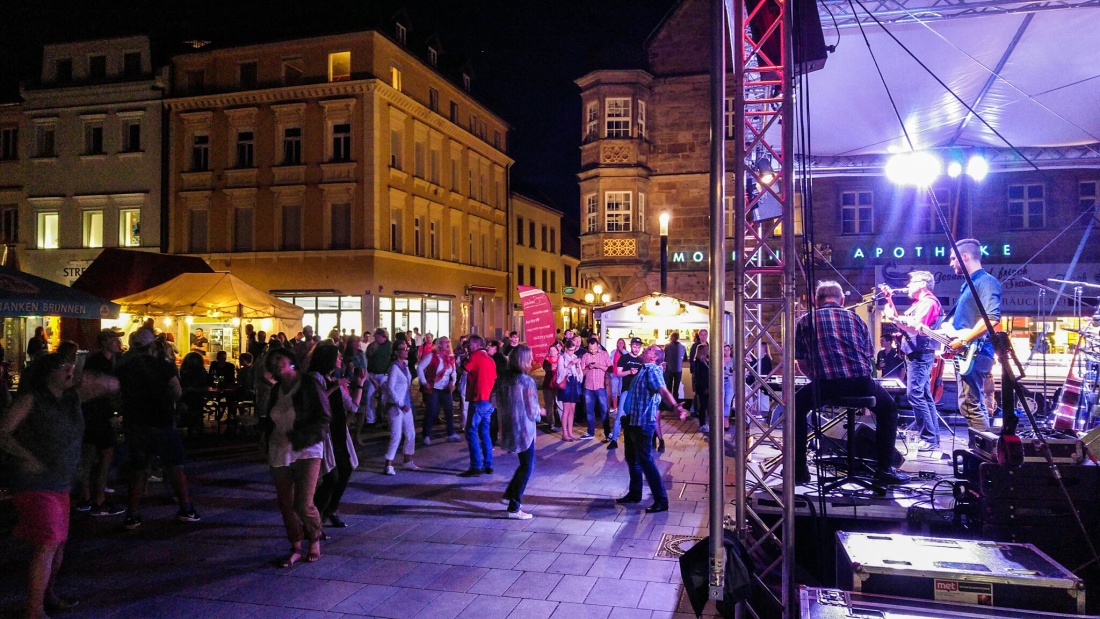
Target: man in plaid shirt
[
  {"x": 833, "y": 348},
  {"x": 639, "y": 406}
]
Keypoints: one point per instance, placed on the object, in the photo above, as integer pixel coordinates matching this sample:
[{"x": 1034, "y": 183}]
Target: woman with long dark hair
[
  {"x": 299, "y": 413},
  {"x": 550, "y": 386},
  {"x": 326, "y": 365},
  {"x": 41, "y": 434},
  {"x": 195, "y": 383},
  {"x": 516, "y": 397}
]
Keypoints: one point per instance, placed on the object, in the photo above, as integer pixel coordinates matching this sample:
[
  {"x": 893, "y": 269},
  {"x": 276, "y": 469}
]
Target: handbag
[{"x": 571, "y": 392}]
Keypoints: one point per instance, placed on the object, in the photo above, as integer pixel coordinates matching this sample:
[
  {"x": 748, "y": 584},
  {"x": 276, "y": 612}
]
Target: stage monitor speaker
[{"x": 808, "y": 39}]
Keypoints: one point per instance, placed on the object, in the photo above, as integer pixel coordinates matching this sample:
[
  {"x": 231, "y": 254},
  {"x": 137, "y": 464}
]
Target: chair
[{"x": 846, "y": 408}]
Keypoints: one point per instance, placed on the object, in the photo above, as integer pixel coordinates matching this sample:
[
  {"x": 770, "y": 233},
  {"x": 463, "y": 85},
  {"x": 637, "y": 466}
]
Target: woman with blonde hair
[
  {"x": 397, "y": 401},
  {"x": 517, "y": 400}
]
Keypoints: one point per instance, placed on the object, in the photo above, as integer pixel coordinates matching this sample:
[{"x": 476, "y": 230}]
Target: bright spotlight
[
  {"x": 977, "y": 167},
  {"x": 919, "y": 169},
  {"x": 954, "y": 169}
]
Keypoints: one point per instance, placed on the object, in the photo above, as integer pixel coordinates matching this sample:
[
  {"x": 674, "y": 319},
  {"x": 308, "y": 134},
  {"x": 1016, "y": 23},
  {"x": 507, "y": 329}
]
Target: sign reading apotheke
[{"x": 1018, "y": 296}]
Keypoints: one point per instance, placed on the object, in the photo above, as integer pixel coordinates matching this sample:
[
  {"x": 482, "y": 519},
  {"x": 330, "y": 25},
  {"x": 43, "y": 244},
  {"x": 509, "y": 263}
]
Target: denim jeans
[
  {"x": 616, "y": 426},
  {"x": 592, "y": 397},
  {"x": 437, "y": 399},
  {"x": 639, "y": 462},
  {"x": 477, "y": 435},
  {"x": 918, "y": 389},
  {"x": 515, "y": 489}
]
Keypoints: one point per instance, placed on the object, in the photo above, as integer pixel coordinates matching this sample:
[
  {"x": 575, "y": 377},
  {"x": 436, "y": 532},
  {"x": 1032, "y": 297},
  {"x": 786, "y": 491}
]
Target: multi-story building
[
  {"x": 536, "y": 254},
  {"x": 646, "y": 150},
  {"x": 348, "y": 175},
  {"x": 88, "y": 147}
]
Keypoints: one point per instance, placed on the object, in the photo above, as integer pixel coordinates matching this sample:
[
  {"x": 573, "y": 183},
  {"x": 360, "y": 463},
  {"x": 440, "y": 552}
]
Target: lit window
[
  {"x": 93, "y": 228},
  {"x": 200, "y": 153},
  {"x": 1026, "y": 206},
  {"x": 591, "y": 121},
  {"x": 618, "y": 118},
  {"x": 129, "y": 228},
  {"x": 245, "y": 149},
  {"x": 341, "y": 142},
  {"x": 339, "y": 66},
  {"x": 47, "y": 231},
  {"x": 641, "y": 212},
  {"x": 618, "y": 208},
  {"x": 592, "y": 213},
  {"x": 857, "y": 212},
  {"x": 395, "y": 78},
  {"x": 292, "y": 146}
]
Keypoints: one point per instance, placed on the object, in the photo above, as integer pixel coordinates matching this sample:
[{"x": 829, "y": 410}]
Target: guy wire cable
[{"x": 881, "y": 77}]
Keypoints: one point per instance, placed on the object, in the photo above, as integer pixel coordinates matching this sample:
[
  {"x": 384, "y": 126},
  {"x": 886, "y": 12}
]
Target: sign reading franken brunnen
[{"x": 26, "y": 295}]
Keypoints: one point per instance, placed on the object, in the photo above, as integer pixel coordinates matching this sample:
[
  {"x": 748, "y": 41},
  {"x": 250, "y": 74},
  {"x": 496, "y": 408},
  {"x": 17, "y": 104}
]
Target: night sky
[{"x": 525, "y": 53}]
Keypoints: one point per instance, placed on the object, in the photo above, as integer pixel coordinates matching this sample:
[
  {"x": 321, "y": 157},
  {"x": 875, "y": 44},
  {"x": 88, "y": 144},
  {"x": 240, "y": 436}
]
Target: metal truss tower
[{"x": 763, "y": 291}]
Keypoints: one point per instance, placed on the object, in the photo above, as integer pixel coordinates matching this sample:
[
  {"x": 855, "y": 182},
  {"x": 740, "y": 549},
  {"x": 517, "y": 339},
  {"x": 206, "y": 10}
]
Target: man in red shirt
[
  {"x": 481, "y": 373},
  {"x": 595, "y": 364},
  {"x": 920, "y": 355}
]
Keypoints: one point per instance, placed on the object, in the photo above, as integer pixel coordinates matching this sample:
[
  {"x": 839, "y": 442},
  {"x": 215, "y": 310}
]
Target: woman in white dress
[{"x": 397, "y": 401}]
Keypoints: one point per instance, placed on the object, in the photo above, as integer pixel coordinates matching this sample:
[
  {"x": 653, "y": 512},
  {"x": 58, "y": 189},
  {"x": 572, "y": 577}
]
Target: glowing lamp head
[
  {"x": 597, "y": 288},
  {"x": 977, "y": 167},
  {"x": 664, "y": 223},
  {"x": 589, "y": 298},
  {"x": 605, "y": 297},
  {"x": 918, "y": 169},
  {"x": 954, "y": 169}
]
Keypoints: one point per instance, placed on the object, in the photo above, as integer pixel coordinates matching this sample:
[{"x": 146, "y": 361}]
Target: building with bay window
[{"x": 348, "y": 174}]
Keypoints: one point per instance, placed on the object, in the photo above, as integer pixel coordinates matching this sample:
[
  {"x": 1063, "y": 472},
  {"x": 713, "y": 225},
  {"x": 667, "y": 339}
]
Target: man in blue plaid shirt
[
  {"x": 833, "y": 348},
  {"x": 639, "y": 406}
]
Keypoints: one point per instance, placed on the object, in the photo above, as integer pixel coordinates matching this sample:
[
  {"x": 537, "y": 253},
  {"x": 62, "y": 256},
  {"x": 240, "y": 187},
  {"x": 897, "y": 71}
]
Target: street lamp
[
  {"x": 590, "y": 300},
  {"x": 664, "y": 251}
]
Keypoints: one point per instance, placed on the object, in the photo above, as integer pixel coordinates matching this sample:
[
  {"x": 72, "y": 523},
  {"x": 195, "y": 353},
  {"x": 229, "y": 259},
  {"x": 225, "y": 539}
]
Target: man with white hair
[{"x": 833, "y": 348}]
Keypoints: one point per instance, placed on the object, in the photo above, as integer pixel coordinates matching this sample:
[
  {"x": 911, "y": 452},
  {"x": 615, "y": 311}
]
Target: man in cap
[{"x": 150, "y": 387}]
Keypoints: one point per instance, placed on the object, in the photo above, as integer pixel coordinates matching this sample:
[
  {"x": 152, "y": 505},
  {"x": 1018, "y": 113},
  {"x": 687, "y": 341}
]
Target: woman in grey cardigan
[{"x": 516, "y": 398}]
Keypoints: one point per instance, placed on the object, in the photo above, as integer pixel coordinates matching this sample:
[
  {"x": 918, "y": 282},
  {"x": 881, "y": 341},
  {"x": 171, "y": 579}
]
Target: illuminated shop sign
[{"x": 919, "y": 251}]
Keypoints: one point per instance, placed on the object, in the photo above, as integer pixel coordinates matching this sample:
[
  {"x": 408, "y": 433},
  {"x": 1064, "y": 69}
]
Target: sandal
[
  {"x": 314, "y": 552},
  {"x": 295, "y": 557}
]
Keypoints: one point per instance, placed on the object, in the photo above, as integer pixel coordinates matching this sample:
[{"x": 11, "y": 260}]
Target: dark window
[
  {"x": 247, "y": 75},
  {"x": 9, "y": 224},
  {"x": 519, "y": 230},
  {"x": 433, "y": 99},
  {"x": 531, "y": 237},
  {"x": 195, "y": 82},
  {"x": 553, "y": 281},
  {"x": 245, "y": 149},
  {"x": 9, "y": 143},
  {"x": 198, "y": 232},
  {"x": 292, "y": 146},
  {"x": 545, "y": 280},
  {"x": 200, "y": 153},
  {"x": 454, "y": 112},
  {"x": 531, "y": 272},
  {"x": 97, "y": 68},
  {"x": 242, "y": 229},
  {"x": 568, "y": 275},
  {"x": 341, "y": 226},
  {"x": 63, "y": 69},
  {"x": 292, "y": 227},
  {"x": 553, "y": 241},
  {"x": 519, "y": 275},
  {"x": 131, "y": 136},
  {"x": 131, "y": 64},
  {"x": 544, "y": 234},
  {"x": 341, "y": 142},
  {"x": 93, "y": 140}
]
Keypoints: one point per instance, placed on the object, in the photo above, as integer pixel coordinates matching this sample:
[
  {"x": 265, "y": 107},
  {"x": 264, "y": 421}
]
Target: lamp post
[
  {"x": 664, "y": 251},
  {"x": 590, "y": 300}
]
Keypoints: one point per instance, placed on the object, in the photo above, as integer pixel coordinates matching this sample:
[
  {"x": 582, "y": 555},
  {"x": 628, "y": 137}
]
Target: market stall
[
  {"x": 28, "y": 302},
  {"x": 217, "y": 303},
  {"x": 653, "y": 318}
]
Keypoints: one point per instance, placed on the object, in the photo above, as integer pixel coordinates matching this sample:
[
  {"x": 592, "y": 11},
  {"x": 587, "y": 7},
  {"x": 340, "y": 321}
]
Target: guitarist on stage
[
  {"x": 920, "y": 354},
  {"x": 967, "y": 320}
]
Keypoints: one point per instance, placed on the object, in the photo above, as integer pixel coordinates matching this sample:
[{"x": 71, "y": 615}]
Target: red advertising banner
[{"x": 538, "y": 321}]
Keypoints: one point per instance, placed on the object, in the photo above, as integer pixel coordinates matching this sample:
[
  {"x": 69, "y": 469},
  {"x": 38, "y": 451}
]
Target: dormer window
[
  {"x": 63, "y": 70},
  {"x": 466, "y": 81},
  {"x": 401, "y": 33},
  {"x": 433, "y": 56},
  {"x": 97, "y": 68}
]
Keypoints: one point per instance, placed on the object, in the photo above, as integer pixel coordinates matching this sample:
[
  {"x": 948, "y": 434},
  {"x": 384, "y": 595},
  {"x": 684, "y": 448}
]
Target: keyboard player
[{"x": 833, "y": 349}]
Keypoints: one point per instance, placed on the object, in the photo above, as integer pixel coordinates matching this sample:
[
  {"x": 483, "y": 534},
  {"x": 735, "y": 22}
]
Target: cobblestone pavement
[{"x": 420, "y": 544}]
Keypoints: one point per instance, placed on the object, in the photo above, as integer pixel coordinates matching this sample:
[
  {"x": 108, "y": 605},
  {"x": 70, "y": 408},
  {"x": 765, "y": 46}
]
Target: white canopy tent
[{"x": 1034, "y": 77}]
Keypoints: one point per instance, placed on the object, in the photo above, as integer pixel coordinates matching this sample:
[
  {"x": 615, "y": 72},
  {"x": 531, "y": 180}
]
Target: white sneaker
[
  {"x": 412, "y": 466},
  {"x": 454, "y": 438},
  {"x": 427, "y": 440},
  {"x": 704, "y": 429},
  {"x": 520, "y": 515},
  {"x": 389, "y": 471}
]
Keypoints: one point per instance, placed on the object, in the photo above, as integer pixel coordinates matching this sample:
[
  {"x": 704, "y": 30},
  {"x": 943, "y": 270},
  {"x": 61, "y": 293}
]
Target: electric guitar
[
  {"x": 963, "y": 360},
  {"x": 1065, "y": 413}
]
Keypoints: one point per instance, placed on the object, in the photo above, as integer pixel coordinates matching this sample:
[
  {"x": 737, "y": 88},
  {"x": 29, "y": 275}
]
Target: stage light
[
  {"x": 977, "y": 167},
  {"x": 919, "y": 169},
  {"x": 954, "y": 169}
]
